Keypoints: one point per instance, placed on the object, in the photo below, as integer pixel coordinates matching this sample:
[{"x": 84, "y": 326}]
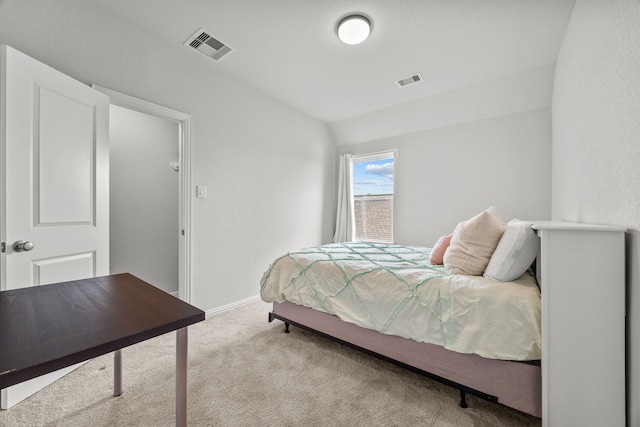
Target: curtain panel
[{"x": 345, "y": 220}]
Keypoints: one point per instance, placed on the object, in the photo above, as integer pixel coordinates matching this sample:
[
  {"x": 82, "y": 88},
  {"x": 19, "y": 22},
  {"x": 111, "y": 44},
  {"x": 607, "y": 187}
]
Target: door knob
[{"x": 22, "y": 245}]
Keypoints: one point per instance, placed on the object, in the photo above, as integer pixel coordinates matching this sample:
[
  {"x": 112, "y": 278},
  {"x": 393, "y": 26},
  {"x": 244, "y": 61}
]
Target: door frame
[{"x": 184, "y": 193}]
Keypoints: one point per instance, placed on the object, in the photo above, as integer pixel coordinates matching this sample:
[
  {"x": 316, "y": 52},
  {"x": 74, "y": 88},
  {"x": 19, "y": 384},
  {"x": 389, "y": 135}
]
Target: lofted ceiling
[{"x": 289, "y": 48}]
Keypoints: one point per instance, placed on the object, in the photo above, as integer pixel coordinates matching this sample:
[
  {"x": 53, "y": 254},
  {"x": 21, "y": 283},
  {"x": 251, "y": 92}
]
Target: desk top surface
[{"x": 46, "y": 328}]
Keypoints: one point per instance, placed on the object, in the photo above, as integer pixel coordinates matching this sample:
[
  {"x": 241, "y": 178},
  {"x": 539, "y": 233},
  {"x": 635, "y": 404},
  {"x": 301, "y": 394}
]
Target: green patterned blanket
[{"x": 394, "y": 290}]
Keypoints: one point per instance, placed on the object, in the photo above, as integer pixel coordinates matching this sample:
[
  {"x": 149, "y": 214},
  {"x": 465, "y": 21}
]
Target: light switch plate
[{"x": 201, "y": 191}]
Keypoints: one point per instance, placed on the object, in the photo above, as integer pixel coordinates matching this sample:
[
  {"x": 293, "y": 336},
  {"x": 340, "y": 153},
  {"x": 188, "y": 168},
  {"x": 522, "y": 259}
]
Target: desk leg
[
  {"x": 181, "y": 377},
  {"x": 117, "y": 373}
]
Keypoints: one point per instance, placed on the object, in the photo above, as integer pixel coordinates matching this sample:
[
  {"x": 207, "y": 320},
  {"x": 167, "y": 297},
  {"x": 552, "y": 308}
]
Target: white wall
[
  {"x": 596, "y": 142},
  {"x": 269, "y": 168},
  {"x": 489, "y": 145},
  {"x": 143, "y": 215}
]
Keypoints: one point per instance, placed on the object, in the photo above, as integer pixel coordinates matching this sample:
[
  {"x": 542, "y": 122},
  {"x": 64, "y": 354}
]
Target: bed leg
[
  {"x": 286, "y": 328},
  {"x": 463, "y": 399}
]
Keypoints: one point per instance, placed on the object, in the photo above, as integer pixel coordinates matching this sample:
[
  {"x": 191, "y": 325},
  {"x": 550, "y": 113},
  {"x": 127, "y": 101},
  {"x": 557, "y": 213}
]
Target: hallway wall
[{"x": 144, "y": 197}]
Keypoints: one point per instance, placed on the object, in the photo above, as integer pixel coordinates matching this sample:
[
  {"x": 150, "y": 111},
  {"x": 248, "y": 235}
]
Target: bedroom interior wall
[
  {"x": 269, "y": 168},
  {"x": 467, "y": 159},
  {"x": 596, "y": 150}
]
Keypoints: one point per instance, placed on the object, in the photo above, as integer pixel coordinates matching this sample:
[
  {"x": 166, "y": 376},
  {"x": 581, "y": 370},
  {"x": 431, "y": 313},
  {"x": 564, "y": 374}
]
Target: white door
[{"x": 54, "y": 183}]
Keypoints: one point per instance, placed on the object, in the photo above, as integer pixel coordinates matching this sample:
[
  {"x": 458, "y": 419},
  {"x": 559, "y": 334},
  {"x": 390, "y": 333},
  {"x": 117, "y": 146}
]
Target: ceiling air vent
[
  {"x": 207, "y": 45},
  {"x": 416, "y": 78}
]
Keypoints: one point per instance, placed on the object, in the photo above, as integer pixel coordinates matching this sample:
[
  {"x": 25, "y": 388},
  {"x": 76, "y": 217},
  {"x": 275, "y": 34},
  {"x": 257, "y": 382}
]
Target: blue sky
[{"x": 374, "y": 177}]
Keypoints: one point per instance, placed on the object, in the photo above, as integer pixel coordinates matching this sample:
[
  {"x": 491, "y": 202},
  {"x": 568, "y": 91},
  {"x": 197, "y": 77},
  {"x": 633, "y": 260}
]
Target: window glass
[{"x": 373, "y": 197}]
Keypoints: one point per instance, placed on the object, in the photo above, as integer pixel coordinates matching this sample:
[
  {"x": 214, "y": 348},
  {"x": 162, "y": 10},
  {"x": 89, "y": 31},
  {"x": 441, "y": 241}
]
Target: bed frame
[{"x": 514, "y": 384}]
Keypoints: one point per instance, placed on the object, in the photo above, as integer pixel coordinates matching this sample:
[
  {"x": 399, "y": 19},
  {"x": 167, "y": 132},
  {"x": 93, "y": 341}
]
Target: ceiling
[{"x": 289, "y": 48}]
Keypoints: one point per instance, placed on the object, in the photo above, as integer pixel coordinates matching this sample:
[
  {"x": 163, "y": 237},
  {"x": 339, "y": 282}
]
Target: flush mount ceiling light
[{"x": 354, "y": 29}]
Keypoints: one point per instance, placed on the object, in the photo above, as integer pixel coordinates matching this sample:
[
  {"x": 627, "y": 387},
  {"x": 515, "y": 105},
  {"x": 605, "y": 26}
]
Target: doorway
[{"x": 150, "y": 182}]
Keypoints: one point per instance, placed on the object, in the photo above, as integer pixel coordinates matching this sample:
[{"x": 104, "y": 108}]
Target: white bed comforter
[{"x": 394, "y": 290}]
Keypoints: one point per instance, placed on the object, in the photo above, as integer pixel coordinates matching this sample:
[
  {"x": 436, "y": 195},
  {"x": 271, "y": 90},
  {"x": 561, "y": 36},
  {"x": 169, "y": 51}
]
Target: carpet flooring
[{"x": 244, "y": 371}]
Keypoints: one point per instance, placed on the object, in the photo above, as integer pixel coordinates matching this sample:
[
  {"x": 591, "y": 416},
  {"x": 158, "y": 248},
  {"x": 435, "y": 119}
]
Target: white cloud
[
  {"x": 385, "y": 170},
  {"x": 368, "y": 182},
  {"x": 372, "y": 186}
]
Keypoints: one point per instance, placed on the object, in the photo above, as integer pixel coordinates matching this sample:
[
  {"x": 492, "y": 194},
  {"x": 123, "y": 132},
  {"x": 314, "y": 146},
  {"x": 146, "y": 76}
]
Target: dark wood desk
[{"x": 46, "y": 328}]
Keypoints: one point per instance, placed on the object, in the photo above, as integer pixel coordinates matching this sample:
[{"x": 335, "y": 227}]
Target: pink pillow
[
  {"x": 473, "y": 243},
  {"x": 437, "y": 253}
]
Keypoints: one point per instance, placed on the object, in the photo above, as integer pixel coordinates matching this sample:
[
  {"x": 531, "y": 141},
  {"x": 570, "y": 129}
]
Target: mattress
[{"x": 394, "y": 290}]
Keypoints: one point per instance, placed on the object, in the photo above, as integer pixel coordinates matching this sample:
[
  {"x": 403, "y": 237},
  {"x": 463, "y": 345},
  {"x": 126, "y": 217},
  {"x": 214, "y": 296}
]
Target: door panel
[
  {"x": 64, "y": 154},
  {"x": 54, "y": 182},
  {"x": 64, "y": 268}
]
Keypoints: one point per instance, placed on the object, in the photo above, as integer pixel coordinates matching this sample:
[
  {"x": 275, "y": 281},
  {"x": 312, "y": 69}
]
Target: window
[{"x": 373, "y": 196}]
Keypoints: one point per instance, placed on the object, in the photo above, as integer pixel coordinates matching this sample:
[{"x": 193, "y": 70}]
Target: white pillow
[
  {"x": 473, "y": 242},
  {"x": 517, "y": 249}
]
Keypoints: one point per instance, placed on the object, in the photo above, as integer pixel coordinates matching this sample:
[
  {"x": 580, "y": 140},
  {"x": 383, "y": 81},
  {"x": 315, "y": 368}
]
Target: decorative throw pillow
[
  {"x": 517, "y": 249},
  {"x": 473, "y": 243},
  {"x": 437, "y": 252}
]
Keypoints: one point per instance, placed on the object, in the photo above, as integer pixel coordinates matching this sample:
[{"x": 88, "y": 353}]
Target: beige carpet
[{"x": 244, "y": 371}]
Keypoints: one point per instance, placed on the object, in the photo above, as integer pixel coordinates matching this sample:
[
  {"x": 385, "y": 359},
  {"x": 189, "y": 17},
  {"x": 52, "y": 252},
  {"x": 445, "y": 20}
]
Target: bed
[{"x": 477, "y": 334}]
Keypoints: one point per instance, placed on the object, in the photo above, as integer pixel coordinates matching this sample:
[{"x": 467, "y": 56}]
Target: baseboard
[{"x": 231, "y": 306}]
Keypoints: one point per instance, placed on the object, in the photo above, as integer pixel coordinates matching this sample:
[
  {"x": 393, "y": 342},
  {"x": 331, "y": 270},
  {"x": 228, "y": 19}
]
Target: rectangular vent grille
[
  {"x": 416, "y": 78},
  {"x": 207, "y": 45}
]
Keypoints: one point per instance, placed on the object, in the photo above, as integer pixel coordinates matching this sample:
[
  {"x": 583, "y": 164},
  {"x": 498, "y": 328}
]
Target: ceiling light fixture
[{"x": 354, "y": 29}]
